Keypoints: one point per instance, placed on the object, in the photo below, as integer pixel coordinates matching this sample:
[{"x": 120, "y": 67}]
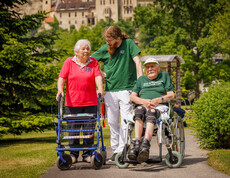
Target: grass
[
  {"x": 28, "y": 155},
  {"x": 220, "y": 160},
  {"x": 31, "y": 154}
]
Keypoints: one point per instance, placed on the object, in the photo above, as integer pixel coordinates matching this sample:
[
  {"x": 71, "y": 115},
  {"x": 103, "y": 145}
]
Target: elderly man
[{"x": 151, "y": 93}]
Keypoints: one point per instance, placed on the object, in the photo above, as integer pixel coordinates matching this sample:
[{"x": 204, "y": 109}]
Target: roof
[
  {"x": 74, "y": 4},
  {"x": 164, "y": 58},
  {"x": 49, "y": 19}
]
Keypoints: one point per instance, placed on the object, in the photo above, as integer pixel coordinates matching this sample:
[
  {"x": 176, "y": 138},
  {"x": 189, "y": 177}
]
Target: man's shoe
[
  {"x": 87, "y": 159},
  {"x": 143, "y": 155},
  {"x": 132, "y": 155},
  {"x": 112, "y": 157}
]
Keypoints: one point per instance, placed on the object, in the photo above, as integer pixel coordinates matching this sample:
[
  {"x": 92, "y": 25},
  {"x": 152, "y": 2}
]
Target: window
[
  {"x": 46, "y": 2},
  {"x": 82, "y": 14},
  {"x": 60, "y": 22},
  {"x": 69, "y": 14},
  {"x": 60, "y": 15},
  {"x": 75, "y": 21},
  {"x": 109, "y": 1},
  {"x": 101, "y": 2},
  {"x": 93, "y": 21},
  {"x": 69, "y": 22},
  {"x": 104, "y": 2},
  {"x": 83, "y": 22},
  {"x": 75, "y": 14}
]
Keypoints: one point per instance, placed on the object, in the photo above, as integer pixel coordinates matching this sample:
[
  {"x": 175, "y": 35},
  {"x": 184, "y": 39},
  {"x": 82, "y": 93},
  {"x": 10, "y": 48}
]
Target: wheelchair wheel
[
  {"x": 104, "y": 155},
  {"x": 175, "y": 161},
  {"x": 179, "y": 138},
  {"x": 119, "y": 161},
  {"x": 94, "y": 163},
  {"x": 64, "y": 166}
]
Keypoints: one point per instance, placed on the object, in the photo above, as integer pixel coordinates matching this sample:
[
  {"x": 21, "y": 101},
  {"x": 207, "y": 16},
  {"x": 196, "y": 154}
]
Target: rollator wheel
[
  {"x": 119, "y": 161},
  {"x": 104, "y": 155},
  {"x": 64, "y": 166},
  {"x": 94, "y": 163},
  {"x": 175, "y": 161}
]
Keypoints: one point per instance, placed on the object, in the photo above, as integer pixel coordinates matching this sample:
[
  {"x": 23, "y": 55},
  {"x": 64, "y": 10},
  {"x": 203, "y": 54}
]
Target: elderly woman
[
  {"x": 81, "y": 74},
  {"x": 151, "y": 94}
]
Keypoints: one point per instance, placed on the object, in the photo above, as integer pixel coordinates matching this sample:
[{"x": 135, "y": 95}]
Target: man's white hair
[{"x": 81, "y": 42}]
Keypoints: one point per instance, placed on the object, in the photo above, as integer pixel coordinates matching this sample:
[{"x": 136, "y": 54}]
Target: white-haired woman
[{"x": 81, "y": 74}]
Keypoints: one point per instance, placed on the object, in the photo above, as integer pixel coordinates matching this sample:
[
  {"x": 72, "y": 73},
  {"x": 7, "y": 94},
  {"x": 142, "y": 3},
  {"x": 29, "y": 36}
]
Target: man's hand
[{"x": 154, "y": 102}]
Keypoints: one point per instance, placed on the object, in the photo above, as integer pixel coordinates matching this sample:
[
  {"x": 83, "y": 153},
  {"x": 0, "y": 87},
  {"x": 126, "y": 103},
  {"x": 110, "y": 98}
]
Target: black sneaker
[
  {"x": 143, "y": 155},
  {"x": 112, "y": 157},
  {"x": 132, "y": 155}
]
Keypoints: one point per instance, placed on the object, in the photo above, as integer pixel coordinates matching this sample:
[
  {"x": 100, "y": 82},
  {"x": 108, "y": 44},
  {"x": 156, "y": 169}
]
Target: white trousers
[{"x": 115, "y": 100}]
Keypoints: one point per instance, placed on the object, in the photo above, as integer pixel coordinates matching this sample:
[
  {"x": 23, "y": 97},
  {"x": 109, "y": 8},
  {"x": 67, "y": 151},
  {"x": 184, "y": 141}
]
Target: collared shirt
[
  {"x": 75, "y": 60},
  {"x": 80, "y": 82}
]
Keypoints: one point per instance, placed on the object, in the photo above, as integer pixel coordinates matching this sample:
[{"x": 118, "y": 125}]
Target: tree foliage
[
  {"x": 27, "y": 69},
  {"x": 183, "y": 27}
]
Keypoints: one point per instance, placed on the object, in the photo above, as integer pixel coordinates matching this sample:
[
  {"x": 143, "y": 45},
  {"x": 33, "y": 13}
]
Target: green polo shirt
[
  {"x": 150, "y": 89},
  {"x": 120, "y": 70}
]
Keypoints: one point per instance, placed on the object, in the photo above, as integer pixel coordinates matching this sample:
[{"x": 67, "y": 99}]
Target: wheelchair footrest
[{"x": 154, "y": 160}]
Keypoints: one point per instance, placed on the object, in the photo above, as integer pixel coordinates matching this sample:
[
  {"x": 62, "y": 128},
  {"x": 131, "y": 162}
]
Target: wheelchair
[{"x": 168, "y": 130}]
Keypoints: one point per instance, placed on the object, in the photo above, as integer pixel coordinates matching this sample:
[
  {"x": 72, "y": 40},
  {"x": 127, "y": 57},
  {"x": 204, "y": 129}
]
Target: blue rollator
[{"x": 86, "y": 127}]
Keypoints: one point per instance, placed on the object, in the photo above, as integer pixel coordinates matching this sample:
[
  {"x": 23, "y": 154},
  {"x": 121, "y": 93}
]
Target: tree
[
  {"x": 181, "y": 27},
  {"x": 221, "y": 28},
  {"x": 27, "y": 69}
]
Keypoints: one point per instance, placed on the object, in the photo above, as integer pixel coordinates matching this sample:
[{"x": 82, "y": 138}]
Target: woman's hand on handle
[{"x": 59, "y": 93}]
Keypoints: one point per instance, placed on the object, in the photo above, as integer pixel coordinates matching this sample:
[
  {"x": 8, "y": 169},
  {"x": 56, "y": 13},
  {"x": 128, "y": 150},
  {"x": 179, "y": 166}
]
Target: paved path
[{"x": 194, "y": 166}]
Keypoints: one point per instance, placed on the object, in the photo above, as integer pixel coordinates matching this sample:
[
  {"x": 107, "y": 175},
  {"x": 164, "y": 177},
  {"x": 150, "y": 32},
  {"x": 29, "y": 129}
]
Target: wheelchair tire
[
  {"x": 179, "y": 138},
  {"x": 95, "y": 164},
  {"x": 104, "y": 155},
  {"x": 175, "y": 162},
  {"x": 64, "y": 166},
  {"x": 119, "y": 162}
]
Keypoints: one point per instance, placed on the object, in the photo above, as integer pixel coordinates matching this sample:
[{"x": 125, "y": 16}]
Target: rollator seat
[{"x": 79, "y": 116}]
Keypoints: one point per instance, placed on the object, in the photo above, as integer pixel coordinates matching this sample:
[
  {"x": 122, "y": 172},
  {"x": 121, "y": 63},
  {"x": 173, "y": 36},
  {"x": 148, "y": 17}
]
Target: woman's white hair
[{"x": 81, "y": 42}]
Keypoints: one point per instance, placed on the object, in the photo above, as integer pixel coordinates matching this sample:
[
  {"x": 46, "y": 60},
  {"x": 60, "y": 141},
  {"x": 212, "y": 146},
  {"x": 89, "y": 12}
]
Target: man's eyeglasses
[{"x": 109, "y": 41}]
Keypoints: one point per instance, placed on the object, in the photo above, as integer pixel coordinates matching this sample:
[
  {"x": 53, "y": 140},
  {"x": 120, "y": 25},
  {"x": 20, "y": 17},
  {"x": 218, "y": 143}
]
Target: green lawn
[
  {"x": 31, "y": 154},
  {"x": 220, "y": 160}
]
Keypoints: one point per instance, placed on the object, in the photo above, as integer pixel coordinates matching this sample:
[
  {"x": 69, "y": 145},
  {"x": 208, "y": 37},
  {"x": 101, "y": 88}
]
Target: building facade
[{"x": 84, "y": 12}]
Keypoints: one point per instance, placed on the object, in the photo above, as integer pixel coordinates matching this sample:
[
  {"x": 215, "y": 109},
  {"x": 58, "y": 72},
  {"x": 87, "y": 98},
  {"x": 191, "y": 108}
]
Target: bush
[
  {"x": 25, "y": 124},
  {"x": 212, "y": 117}
]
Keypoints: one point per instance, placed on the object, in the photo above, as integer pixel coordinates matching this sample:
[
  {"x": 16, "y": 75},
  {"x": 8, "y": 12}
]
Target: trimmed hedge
[
  {"x": 212, "y": 117},
  {"x": 25, "y": 124}
]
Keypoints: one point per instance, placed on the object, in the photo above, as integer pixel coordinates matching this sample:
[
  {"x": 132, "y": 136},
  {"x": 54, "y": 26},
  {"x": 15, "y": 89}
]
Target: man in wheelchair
[{"x": 150, "y": 94}]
